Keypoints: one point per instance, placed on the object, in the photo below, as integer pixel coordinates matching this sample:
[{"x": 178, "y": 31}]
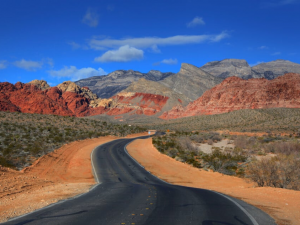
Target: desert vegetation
[
  {"x": 26, "y": 137},
  {"x": 271, "y": 160},
  {"x": 279, "y": 120}
]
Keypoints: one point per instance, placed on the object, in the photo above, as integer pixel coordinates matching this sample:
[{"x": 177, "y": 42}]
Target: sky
[{"x": 59, "y": 40}]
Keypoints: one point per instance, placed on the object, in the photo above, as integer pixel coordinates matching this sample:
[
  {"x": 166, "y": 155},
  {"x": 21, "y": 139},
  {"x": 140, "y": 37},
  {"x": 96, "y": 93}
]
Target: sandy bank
[
  {"x": 283, "y": 205},
  {"x": 64, "y": 173}
]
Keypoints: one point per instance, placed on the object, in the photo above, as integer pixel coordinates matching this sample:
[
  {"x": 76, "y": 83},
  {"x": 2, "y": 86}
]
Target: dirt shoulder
[
  {"x": 283, "y": 205},
  {"x": 62, "y": 174}
]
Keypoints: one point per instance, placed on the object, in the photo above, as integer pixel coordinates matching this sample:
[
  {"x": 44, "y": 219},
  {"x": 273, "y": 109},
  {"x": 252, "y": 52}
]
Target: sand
[
  {"x": 282, "y": 204},
  {"x": 62, "y": 174}
]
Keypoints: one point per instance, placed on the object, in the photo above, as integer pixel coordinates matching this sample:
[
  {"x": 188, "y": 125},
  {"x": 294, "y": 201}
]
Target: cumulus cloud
[
  {"x": 28, "y": 65},
  {"x": 76, "y": 74},
  {"x": 195, "y": 22},
  {"x": 91, "y": 18},
  {"x": 3, "y": 64},
  {"x": 125, "y": 53},
  {"x": 170, "y": 61},
  {"x": 149, "y": 42}
]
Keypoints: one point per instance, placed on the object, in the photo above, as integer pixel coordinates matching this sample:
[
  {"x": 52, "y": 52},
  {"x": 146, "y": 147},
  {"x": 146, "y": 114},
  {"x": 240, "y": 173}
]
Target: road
[{"x": 128, "y": 194}]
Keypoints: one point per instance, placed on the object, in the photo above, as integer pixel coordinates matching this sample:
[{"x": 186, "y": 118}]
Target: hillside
[
  {"x": 235, "y": 93},
  {"x": 240, "y": 68},
  {"x": 107, "y": 86},
  {"x": 25, "y": 137},
  {"x": 227, "y": 68},
  {"x": 190, "y": 81}
]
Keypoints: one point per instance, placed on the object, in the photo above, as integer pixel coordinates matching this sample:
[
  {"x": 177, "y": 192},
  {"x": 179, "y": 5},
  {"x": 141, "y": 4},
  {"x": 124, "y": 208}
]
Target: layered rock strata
[{"x": 235, "y": 93}]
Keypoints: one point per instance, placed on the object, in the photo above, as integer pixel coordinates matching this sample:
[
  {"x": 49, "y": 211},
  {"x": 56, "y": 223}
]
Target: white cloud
[
  {"x": 170, "y": 61},
  {"x": 123, "y": 54},
  {"x": 276, "y": 53},
  {"x": 91, "y": 18},
  {"x": 155, "y": 49},
  {"x": 149, "y": 42},
  {"x": 74, "y": 44},
  {"x": 28, "y": 65},
  {"x": 76, "y": 74},
  {"x": 3, "y": 64},
  {"x": 263, "y": 47},
  {"x": 195, "y": 22}
]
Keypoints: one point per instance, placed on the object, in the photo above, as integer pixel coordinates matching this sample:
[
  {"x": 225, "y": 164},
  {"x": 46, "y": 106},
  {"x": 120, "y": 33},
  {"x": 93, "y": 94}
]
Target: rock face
[
  {"x": 28, "y": 98},
  {"x": 69, "y": 99},
  {"x": 152, "y": 87},
  {"x": 240, "y": 68},
  {"x": 108, "y": 85},
  {"x": 41, "y": 84},
  {"x": 227, "y": 68},
  {"x": 138, "y": 103},
  {"x": 190, "y": 81},
  {"x": 275, "y": 68},
  {"x": 235, "y": 93}
]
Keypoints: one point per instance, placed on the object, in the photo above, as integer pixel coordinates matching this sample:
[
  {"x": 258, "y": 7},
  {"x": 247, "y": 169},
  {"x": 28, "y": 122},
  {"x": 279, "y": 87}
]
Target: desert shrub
[
  {"x": 4, "y": 162},
  {"x": 197, "y": 138},
  {"x": 281, "y": 172},
  {"x": 210, "y": 141},
  {"x": 186, "y": 144},
  {"x": 241, "y": 142},
  {"x": 223, "y": 162}
]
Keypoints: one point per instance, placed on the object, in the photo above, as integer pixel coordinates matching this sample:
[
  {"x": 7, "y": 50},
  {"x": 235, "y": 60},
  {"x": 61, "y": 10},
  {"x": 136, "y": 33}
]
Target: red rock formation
[
  {"x": 140, "y": 103},
  {"x": 235, "y": 93},
  {"x": 29, "y": 98}
]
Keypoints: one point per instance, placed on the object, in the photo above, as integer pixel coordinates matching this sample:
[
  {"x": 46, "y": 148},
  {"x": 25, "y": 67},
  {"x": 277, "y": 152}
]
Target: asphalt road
[{"x": 128, "y": 194}]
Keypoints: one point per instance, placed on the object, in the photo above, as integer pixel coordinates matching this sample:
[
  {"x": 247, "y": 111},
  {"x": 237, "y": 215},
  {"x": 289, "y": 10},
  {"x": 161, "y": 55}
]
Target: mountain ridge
[{"x": 235, "y": 93}]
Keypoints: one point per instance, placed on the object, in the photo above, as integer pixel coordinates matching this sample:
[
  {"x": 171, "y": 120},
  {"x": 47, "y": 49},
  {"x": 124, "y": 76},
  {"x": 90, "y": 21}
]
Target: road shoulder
[
  {"x": 283, "y": 205},
  {"x": 61, "y": 174}
]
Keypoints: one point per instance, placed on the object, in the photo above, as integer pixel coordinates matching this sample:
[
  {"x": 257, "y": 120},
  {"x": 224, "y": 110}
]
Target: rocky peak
[
  {"x": 41, "y": 84},
  {"x": 190, "y": 81},
  {"x": 227, "y": 68},
  {"x": 69, "y": 86},
  {"x": 273, "y": 69},
  {"x": 189, "y": 69}
]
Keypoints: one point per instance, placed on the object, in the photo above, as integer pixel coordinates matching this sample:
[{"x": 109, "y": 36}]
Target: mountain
[
  {"x": 69, "y": 99},
  {"x": 235, "y": 93},
  {"x": 228, "y": 68},
  {"x": 273, "y": 69},
  {"x": 240, "y": 68},
  {"x": 190, "y": 81},
  {"x": 152, "y": 87},
  {"x": 107, "y": 86}
]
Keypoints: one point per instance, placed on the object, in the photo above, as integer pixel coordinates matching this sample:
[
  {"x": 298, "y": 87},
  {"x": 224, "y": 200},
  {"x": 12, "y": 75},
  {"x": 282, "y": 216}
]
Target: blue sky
[{"x": 58, "y": 40}]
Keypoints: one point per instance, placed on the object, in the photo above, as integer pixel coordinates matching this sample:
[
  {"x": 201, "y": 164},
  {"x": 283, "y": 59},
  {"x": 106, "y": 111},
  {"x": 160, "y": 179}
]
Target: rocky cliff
[
  {"x": 240, "y": 68},
  {"x": 107, "y": 86},
  {"x": 235, "y": 93},
  {"x": 228, "y": 68},
  {"x": 273, "y": 69},
  {"x": 190, "y": 81},
  {"x": 69, "y": 99}
]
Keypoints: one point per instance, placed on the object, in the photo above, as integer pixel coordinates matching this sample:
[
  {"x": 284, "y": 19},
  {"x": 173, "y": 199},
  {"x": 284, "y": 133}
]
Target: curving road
[{"x": 128, "y": 194}]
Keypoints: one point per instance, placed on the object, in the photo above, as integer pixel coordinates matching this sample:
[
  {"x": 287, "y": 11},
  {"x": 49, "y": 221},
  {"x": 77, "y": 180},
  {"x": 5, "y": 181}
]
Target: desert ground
[
  {"x": 62, "y": 174},
  {"x": 282, "y": 204},
  {"x": 67, "y": 172}
]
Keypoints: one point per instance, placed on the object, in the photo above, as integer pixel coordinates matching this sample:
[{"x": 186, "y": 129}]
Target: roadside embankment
[
  {"x": 282, "y": 204},
  {"x": 61, "y": 174}
]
